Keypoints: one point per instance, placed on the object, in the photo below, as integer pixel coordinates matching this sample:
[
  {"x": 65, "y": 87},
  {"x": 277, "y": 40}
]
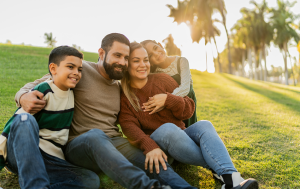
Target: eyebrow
[
  {"x": 154, "y": 46},
  {"x": 74, "y": 65}
]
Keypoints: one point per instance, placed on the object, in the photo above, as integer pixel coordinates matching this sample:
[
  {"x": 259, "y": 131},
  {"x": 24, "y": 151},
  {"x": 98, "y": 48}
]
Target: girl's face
[
  {"x": 156, "y": 53},
  {"x": 139, "y": 66}
]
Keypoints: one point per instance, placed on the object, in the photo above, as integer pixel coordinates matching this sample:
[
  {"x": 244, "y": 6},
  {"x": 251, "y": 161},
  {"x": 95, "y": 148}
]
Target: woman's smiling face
[
  {"x": 139, "y": 65},
  {"x": 156, "y": 53}
]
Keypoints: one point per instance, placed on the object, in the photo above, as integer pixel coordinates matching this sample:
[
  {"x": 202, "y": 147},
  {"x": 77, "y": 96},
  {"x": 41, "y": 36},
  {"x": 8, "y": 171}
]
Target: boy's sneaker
[{"x": 235, "y": 181}]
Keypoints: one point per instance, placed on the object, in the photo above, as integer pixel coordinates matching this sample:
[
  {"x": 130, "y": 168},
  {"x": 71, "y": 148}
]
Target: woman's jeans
[
  {"x": 199, "y": 144},
  {"x": 119, "y": 160},
  {"x": 37, "y": 169}
]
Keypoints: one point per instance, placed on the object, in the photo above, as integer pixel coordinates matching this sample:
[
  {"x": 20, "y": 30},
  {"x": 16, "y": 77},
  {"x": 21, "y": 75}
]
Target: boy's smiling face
[{"x": 68, "y": 73}]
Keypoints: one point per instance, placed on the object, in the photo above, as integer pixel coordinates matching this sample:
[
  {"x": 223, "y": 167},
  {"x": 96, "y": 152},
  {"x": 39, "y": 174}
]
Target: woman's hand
[
  {"x": 155, "y": 103},
  {"x": 156, "y": 156}
]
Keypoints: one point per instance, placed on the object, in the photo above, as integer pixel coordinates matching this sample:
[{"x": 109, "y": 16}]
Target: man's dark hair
[
  {"x": 109, "y": 39},
  {"x": 58, "y": 54}
]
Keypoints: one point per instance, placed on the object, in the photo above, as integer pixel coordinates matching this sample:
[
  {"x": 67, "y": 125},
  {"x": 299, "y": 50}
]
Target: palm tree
[
  {"x": 245, "y": 27},
  {"x": 282, "y": 20},
  {"x": 264, "y": 31},
  {"x": 49, "y": 39},
  {"x": 197, "y": 15},
  {"x": 239, "y": 41},
  {"x": 220, "y": 6}
]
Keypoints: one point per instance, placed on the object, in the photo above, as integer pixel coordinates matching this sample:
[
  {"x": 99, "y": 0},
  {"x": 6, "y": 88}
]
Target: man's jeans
[
  {"x": 37, "y": 169},
  {"x": 118, "y": 159},
  {"x": 199, "y": 144}
]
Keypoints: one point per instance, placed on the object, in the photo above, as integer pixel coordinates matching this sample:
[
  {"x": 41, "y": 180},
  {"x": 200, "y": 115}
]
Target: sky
[{"x": 85, "y": 23}]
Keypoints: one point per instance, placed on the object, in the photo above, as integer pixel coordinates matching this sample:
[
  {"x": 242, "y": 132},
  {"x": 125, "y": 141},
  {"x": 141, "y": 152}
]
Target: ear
[
  {"x": 160, "y": 45},
  {"x": 101, "y": 53},
  {"x": 53, "y": 68}
]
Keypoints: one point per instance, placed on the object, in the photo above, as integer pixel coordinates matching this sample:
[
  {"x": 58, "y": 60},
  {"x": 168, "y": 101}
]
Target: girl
[{"x": 178, "y": 69}]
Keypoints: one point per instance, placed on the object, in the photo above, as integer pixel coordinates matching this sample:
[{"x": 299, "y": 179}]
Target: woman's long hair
[{"x": 125, "y": 82}]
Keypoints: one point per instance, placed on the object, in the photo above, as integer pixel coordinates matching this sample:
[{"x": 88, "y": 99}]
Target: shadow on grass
[
  {"x": 284, "y": 87},
  {"x": 275, "y": 96}
]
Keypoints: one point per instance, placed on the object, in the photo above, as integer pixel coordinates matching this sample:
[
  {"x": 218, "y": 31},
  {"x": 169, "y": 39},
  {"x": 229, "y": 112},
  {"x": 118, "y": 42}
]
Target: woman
[
  {"x": 176, "y": 67},
  {"x": 164, "y": 131}
]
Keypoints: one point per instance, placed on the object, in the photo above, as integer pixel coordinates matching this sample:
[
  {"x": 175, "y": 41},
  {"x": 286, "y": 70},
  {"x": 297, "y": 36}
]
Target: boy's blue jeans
[
  {"x": 199, "y": 144},
  {"x": 37, "y": 169},
  {"x": 118, "y": 159}
]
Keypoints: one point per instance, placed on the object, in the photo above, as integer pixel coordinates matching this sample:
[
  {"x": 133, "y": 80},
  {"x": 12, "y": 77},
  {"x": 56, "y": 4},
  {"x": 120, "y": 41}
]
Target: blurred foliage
[{"x": 170, "y": 46}]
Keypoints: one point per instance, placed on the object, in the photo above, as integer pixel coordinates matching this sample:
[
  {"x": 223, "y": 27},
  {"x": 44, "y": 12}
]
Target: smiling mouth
[
  {"x": 118, "y": 69},
  {"x": 74, "y": 79}
]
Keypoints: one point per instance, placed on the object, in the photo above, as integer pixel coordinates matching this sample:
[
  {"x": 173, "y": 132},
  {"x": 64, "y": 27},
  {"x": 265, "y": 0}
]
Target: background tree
[
  {"x": 245, "y": 35},
  {"x": 197, "y": 15},
  {"x": 220, "y": 6},
  {"x": 77, "y": 47},
  {"x": 49, "y": 39},
  {"x": 282, "y": 20},
  {"x": 170, "y": 46},
  {"x": 264, "y": 33}
]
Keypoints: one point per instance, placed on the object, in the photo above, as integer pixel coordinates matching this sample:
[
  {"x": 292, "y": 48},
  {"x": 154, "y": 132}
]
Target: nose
[
  {"x": 123, "y": 62},
  {"x": 155, "y": 53},
  {"x": 142, "y": 63},
  {"x": 75, "y": 72}
]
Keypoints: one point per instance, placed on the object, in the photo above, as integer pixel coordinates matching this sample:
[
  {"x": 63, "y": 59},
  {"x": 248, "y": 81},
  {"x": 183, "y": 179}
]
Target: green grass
[{"x": 258, "y": 122}]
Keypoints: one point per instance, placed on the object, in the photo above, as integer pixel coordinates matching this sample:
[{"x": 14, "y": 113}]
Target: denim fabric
[
  {"x": 118, "y": 159},
  {"x": 35, "y": 168},
  {"x": 198, "y": 145}
]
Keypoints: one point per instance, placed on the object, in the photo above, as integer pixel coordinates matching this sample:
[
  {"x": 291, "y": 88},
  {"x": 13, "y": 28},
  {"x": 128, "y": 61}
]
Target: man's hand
[
  {"x": 155, "y": 103},
  {"x": 32, "y": 102},
  {"x": 156, "y": 156}
]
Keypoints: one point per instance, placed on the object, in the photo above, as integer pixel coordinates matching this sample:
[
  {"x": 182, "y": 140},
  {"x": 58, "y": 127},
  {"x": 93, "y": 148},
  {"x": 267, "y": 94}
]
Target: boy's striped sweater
[{"x": 54, "y": 121}]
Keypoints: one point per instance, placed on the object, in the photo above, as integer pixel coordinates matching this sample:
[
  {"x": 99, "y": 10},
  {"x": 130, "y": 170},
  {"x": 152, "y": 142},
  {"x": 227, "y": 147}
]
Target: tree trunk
[
  {"x": 243, "y": 64},
  {"x": 250, "y": 63},
  {"x": 220, "y": 67},
  {"x": 255, "y": 66},
  {"x": 228, "y": 41},
  {"x": 285, "y": 64},
  {"x": 229, "y": 54},
  {"x": 260, "y": 65},
  {"x": 206, "y": 57},
  {"x": 265, "y": 59},
  {"x": 293, "y": 73}
]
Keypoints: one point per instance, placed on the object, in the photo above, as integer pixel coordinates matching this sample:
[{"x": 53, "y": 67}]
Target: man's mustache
[{"x": 124, "y": 68}]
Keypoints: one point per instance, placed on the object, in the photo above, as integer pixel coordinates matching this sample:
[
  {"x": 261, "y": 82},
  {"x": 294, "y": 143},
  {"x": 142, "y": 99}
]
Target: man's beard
[{"x": 110, "y": 70}]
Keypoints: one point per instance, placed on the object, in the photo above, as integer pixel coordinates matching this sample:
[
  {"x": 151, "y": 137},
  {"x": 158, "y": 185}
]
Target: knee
[
  {"x": 24, "y": 122},
  {"x": 90, "y": 180},
  {"x": 166, "y": 131},
  {"x": 205, "y": 125},
  {"x": 95, "y": 137},
  {"x": 96, "y": 134}
]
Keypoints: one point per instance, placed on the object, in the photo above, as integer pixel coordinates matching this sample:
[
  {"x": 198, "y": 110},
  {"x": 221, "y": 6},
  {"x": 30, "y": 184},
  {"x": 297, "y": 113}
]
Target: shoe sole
[{"x": 250, "y": 184}]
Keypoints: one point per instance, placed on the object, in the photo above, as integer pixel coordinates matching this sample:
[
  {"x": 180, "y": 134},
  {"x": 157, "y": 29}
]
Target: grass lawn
[{"x": 258, "y": 122}]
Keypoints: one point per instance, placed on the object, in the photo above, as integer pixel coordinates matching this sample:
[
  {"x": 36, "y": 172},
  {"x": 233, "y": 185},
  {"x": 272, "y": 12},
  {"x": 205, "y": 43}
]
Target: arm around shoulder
[
  {"x": 27, "y": 87},
  {"x": 31, "y": 101}
]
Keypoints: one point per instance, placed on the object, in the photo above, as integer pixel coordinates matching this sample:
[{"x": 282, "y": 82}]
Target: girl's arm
[{"x": 185, "y": 75}]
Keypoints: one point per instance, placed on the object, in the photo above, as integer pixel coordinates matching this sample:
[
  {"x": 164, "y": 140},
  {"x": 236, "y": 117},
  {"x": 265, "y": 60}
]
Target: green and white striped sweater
[{"x": 54, "y": 121}]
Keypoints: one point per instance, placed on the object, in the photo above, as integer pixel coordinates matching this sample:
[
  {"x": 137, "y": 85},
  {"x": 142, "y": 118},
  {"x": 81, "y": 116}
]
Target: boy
[{"x": 32, "y": 145}]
